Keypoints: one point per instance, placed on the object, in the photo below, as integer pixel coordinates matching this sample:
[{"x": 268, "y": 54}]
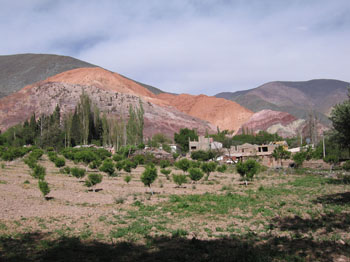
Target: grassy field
[{"x": 277, "y": 217}]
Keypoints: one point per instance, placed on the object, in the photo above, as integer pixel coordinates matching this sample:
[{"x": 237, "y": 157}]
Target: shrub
[
  {"x": 346, "y": 165},
  {"x": 165, "y": 172},
  {"x": 119, "y": 165},
  {"x": 179, "y": 179},
  {"x": 93, "y": 179},
  {"x": 175, "y": 155},
  {"x": 12, "y": 153},
  {"x": 196, "y": 164},
  {"x": 39, "y": 172},
  {"x": 52, "y": 156},
  {"x": 183, "y": 164},
  {"x": 149, "y": 176},
  {"x": 60, "y": 162},
  {"x": 65, "y": 170},
  {"x": 36, "y": 154},
  {"x": 195, "y": 174},
  {"x": 128, "y": 165},
  {"x": 139, "y": 159},
  {"x": 221, "y": 168},
  {"x": 248, "y": 169},
  {"x": 95, "y": 164},
  {"x": 208, "y": 168},
  {"x": 127, "y": 179},
  {"x": 85, "y": 156},
  {"x": 164, "y": 163},
  {"x": 117, "y": 157},
  {"x": 77, "y": 172},
  {"x": 299, "y": 158},
  {"x": 102, "y": 153},
  {"x": 202, "y": 155},
  {"x": 107, "y": 167},
  {"x": 30, "y": 162},
  {"x": 44, "y": 187}
]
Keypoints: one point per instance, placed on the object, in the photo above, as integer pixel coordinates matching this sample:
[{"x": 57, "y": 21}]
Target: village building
[{"x": 205, "y": 144}]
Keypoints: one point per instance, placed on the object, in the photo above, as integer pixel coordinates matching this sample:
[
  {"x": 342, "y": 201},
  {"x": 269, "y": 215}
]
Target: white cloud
[{"x": 189, "y": 46}]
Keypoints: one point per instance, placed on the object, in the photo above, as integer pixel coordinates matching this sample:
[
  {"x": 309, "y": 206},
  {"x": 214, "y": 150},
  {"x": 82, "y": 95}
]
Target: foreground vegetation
[{"x": 276, "y": 217}]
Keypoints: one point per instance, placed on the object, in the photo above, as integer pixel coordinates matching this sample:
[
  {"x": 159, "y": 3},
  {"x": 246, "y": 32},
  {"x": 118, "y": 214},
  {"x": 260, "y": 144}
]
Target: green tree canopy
[
  {"x": 183, "y": 137},
  {"x": 340, "y": 118}
]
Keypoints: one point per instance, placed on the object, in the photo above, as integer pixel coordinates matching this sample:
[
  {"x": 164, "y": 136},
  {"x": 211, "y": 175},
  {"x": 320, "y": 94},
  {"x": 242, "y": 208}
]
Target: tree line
[{"x": 85, "y": 125}]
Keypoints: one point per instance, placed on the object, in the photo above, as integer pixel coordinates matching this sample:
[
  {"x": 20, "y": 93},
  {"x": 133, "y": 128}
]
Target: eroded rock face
[
  {"x": 282, "y": 123},
  {"x": 220, "y": 112},
  {"x": 43, "y": 97}
]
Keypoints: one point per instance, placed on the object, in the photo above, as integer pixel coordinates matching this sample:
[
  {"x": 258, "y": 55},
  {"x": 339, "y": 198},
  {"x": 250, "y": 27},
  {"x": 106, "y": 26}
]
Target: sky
[{"x": 193, "y": 46}]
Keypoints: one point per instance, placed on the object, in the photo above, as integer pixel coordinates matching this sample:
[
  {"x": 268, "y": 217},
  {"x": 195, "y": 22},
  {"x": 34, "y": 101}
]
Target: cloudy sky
[{"x": 192, "y": 46}]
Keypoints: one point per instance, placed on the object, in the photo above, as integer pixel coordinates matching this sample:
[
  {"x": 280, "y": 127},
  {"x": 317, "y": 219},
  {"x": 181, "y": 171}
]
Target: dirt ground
[{"x": 274, "y": 206}]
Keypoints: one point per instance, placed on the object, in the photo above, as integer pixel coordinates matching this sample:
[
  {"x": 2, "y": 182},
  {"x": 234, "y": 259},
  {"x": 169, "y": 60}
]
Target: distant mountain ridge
[
  {"x": 20, "y": 70},
  {"x": 296, "y": 98},
  {"x": 37, "y": 82}
]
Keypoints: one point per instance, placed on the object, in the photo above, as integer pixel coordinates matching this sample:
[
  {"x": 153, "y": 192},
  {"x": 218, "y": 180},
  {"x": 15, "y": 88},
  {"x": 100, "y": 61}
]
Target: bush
[
  {"x": 221, "y": 168},
  {"x": 12, "y": 153},
  {"x": 39, "y": 172},
  {"x": 128, "y": 165},
  {"x": 139, "y": 159},
  {"x": 77, "y": 172},
  {"x": 299, "y": 158},
  {"x": 44, "y": 187},
  {"x": 164, "y": 163},
  {"x": 179, "y": 179},
  {"x": 93, "y": 179},
  {"x": 52, "y": 156},
  {"x": 175, "y": 155},
  {"x": 95, "y": 164},
  {"x": 332, "y": 159},
  {"x": 248, "y": 169},
  {"x": 117, "y": 157},
  {"x": 107, "y": 167},
  {"x": 60, "y": 162},
  {"x": 195, "y": 174},
  {"x": 183, "y": 164},
  {"x": 346, "y": 165},
  {"x": 208, "y": 168},
  {"x": 202, "y": 155},
  {"x": 119, "y": 165},
  {"x": 196, "y": 164},
  {"x": 65, "y": 170},
  {"x": 127, "y": 179},
  {"x": 149, "y": 176},
  {"x": 31, "y": 162},
  {"x": 36, "y": 154}
]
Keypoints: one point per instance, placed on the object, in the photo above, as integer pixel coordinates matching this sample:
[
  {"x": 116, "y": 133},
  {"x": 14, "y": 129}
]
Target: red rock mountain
[
  {"x": 220, "y": 112},
  {"x": 282, "y": 123},
  {"x": 111, "y": 92}
]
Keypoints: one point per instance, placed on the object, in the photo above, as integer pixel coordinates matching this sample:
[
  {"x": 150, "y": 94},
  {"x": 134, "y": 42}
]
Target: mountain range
[
  {"x": 296, "y": 98},
  {"x": 35, "y": 83}
]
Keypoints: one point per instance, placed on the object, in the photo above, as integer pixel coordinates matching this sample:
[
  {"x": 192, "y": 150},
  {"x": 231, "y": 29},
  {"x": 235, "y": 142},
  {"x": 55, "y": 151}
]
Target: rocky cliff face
[{"x": 43, "y": 97}]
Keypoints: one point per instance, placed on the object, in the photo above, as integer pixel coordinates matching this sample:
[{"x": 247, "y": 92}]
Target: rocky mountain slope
[
  {"x": 18, "y": 71},
  {"x": 282, "y": 123},
  {"x": 220, "y": 112},
  {"x": 296, "y": 98},
  {"x": 42, "y": 98}
]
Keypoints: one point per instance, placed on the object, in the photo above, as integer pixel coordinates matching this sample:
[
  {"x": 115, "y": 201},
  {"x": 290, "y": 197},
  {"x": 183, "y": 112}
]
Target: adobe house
[
  {"x": 262, "y": 152},
  {"x": 205, "y": 144}
]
